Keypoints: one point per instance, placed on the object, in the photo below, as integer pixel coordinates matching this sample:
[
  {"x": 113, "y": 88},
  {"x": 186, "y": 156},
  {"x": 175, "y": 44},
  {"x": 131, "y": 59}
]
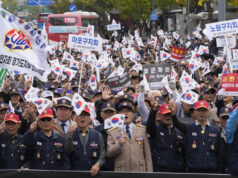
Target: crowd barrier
[{"x": 85, "y": 174}]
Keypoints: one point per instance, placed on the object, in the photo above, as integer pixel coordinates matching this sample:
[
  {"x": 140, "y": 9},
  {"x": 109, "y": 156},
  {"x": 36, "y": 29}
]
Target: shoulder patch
[
  {"x": 139, "y": 125},
  {"x": 112, "y": 129}
]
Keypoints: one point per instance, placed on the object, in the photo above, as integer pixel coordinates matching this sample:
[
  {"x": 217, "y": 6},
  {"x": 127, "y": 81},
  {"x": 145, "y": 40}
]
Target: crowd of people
[{"x": 162, "y": 131}]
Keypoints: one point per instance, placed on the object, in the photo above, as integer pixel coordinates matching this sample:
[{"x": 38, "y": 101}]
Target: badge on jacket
[
  {"x": 58, "y": 156},
  {"x": 194, "y": 145},
  {"x": 139, "y": 139},
  {"x": 93, "y": 144},
  {"x": 38, "y": 154},
  {"x": 58, "y": 145},
  {"x": 94, "y": 154}
]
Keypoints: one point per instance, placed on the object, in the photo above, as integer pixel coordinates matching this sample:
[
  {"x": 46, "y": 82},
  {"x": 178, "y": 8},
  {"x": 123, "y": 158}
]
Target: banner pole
[
  {"x": 228, "y": 54},
  {"x": 81, "y": 72}
]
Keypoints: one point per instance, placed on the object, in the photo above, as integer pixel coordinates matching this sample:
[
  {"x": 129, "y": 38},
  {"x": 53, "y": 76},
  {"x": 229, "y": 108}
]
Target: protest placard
[
  {"x": 118, "y": 82},
  {"x": 222, "y": 28},
  {"x": 177, "y": 54},
  {"x": 230, "y": 84},
  {"x": 113, "y": 27},
  {"x": 155, "y": 73},
  {"x": 85, "y": 42}
]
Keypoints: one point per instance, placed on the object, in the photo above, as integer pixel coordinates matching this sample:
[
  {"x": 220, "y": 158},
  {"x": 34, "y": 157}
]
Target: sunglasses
[{"x": 46, "y": 119}]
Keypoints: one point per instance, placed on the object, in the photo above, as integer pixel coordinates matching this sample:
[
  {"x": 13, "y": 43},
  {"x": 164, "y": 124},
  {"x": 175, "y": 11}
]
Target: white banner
[
  {"x": 21, "y": 48},
  {"x": 85, "y": 42},
  {"x": 113, "y": 27},
  {"x": 222, "y": 28},
  {"x": 221, "y": 41}
]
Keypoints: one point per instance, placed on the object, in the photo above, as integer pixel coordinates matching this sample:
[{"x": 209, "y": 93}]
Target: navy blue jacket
[
  {"x": 45, "y": 152},
  {"x": 167, "y": 146},
  {"x": 202, "y": 147},
  {"x": 84, "y": 159},
  {"x": 10, "y": 157}
]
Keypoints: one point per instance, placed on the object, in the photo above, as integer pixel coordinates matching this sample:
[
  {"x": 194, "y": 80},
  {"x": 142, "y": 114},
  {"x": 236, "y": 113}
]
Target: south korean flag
[
  {"x": 189, "y": 97},
  {"x": 114, "y": 121}
]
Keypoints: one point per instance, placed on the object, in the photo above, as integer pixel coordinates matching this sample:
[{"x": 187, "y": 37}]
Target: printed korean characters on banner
[
  {"x": 116, "y": 83},
  {"x": 177, "y": 54},
  {"x": 114, "y": 121},
  {"x": 234, "y": 60},
  {"x": 230, "y": 84},
  {"x": 222, "y": 28},
  {"x": 22, "y": 49},
  {"x": 155, "y": 73},
  {"x": 85, "y": 42},
  {"x": 221, "y": 41},
  {"x": 113, "y": 27}
]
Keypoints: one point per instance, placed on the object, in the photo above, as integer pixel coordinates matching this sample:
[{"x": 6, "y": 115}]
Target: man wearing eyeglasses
[
  {"x": 45, "y": 149},
  {"x": 209, "y": 95}
]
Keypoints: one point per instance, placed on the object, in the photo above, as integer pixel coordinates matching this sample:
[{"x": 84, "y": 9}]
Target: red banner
[
  {"x": 230, "y": 84},
  {"x": 177, "y": 54}
]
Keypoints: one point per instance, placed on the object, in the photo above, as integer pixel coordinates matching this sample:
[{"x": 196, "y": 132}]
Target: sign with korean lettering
[
  {"x": 118, "y": 82},
  {"x": 177, "y": 54},
  {"x": 222, "y": 28},
  {"x": 230, "y": 84},
  {"x": 234, "y": 60},
  {"x": 155, "y": 73},
  {"x": 85, "y": 42},
  {"x": 221, "y": 41},
  {"x": 113, "y": 27}
]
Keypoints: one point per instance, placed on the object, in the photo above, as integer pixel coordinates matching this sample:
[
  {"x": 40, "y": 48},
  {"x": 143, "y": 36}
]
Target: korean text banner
[
  {"x": 155, "y": 73},
  {"x": 230, "y": 84},
  {"x": 112, "y": 27},
  {"x": 222, "y": 28},
  {"x": 21, "y": 48},
  {"x": 118, "y": 82},
  {"x": 85, "y": 42}
]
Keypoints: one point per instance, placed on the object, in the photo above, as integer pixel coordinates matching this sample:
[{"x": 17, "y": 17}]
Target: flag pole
[
  {"x": 81, "y": 72},
  {"x": 228, "y": 54}
]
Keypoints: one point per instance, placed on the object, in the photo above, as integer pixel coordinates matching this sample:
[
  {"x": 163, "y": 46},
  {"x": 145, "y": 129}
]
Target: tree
[
  {"x": 136, "y": 10},
  {"x": 232, "y": 3},
  {"x": 12, "y": 6}
]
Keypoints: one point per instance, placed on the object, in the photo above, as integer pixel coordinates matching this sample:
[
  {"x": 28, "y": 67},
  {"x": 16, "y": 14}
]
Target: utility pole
[
  {"x": 187, "y": 13},
  {"x": 153, "y": 4},
  {"x": 222, "y": 10}
]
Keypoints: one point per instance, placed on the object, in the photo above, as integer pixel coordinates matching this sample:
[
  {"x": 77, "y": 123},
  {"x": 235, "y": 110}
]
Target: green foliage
[
  {"x": 137, "y": 10},
  {"x": 12, "y": 6}
]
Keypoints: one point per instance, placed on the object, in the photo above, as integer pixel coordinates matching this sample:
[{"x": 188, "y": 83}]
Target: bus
[
  {"x": 41, "y": 20},
  {"x": 59, "y": 26}
]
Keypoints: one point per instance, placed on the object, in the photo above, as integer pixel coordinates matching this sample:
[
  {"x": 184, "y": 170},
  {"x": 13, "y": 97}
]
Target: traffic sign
[
  {"x": 153, "y": 16},
  {"x": 72, "y": 8},
  {"x": 39, "y": 2}
]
